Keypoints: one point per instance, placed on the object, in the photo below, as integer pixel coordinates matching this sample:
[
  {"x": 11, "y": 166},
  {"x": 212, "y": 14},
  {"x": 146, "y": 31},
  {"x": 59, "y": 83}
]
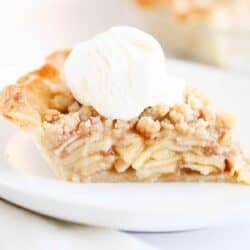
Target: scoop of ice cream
[{"x": 121, "y": 72}]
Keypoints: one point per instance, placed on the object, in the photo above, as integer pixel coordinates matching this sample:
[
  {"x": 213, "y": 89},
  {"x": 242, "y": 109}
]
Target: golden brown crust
[
  {"x": 27, "y": 101},
  {"x": 57, "y": 58},
  {"x": 181, "y": 9},
  {"x": 16, "y": 107},
  {"x": 184, "y": 10}
]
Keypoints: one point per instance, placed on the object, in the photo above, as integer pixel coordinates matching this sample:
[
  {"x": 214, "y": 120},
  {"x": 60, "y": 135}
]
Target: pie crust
[
  {"x": 187, "y": 142},
  {"x": 208, "y": 31},
  {"x": 184, "y": 10}
]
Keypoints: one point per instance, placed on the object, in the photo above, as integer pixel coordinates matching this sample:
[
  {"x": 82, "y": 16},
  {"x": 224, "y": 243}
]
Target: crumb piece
[
  {"x": 229, "y": 120},
  {"x": 74, "y": 107},
  {"x": 108, "y": 123},
  {"x": 196, "y": 99},
  {"x": 61, "y": 101},
  {"x": 157, "y": 112},
  {"x": 85, "y": 112},
  {"x": 208, "y": 114},
  {"x": 120, "y": 165},
  {"x": 188, "y": 113},
  {"x": 176, "y": 117},
  {"x": 133, "y": 122},
  {"x": 119, "y": 124},
  {"x": 166, "y": 124},
  {"x": 96, "y": 126},
  {"x": 147, "y": 127},
  {"x": 52, "y": 115},
  {"x": 71, "y": 122},
  {"x": 201, "y": 131},
  {"x": 182, "y": 128}
]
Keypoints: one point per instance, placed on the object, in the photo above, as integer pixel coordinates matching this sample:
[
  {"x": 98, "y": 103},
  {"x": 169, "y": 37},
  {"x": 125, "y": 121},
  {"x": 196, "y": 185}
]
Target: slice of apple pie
[{"x": 185, "y": 142}]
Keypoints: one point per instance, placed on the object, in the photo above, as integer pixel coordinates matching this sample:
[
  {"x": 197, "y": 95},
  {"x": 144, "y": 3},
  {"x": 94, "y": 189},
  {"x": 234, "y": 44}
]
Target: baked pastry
[
  {"x": 211, "y": 31},
  {"x": 186, "y": 142}
]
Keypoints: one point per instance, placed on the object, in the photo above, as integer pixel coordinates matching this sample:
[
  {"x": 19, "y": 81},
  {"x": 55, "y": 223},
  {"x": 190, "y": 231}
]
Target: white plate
[{"x": 26, "y": 180}]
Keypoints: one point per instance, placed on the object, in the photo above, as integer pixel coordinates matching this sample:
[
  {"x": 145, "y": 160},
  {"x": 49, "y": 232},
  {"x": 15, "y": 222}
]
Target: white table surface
[
  {"x": 230, "y": 237},
  {"x": 24, "y": 230},
  {"x": 21, "y": 229}
]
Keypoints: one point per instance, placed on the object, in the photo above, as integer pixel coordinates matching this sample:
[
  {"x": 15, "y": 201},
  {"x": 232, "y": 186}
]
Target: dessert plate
[{"x": 26, "y": 179}]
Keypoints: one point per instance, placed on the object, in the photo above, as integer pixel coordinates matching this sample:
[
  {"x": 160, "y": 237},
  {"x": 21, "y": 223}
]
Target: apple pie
[
  {"x": 211, "y": 31},
  {"x": 189, "y": 141}
]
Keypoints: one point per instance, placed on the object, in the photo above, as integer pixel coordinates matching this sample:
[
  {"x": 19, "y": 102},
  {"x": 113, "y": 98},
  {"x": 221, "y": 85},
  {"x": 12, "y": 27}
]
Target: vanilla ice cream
[{"x": 121, "y": 72}]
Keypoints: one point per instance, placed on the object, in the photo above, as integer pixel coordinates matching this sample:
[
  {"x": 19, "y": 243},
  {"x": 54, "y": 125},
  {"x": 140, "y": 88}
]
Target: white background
[{"x": 32, "y": 28}]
